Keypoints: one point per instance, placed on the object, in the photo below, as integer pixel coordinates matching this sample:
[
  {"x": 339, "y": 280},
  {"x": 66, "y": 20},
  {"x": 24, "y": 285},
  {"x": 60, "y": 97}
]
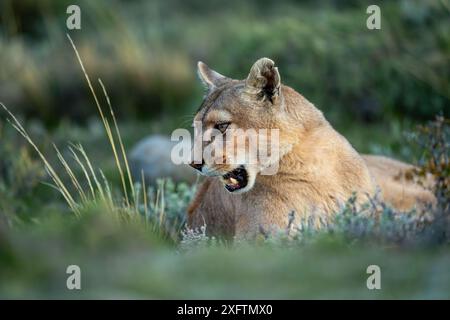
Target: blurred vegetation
[
  {"x": 145, "y": 51},
  {"x": 372, "y": 85}
]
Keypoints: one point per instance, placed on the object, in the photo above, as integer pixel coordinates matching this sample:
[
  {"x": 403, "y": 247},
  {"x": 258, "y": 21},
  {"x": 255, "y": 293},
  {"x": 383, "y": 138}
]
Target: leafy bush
[
  {"x": 20, "y": 178},
  {"x": 434, "y": 140}
]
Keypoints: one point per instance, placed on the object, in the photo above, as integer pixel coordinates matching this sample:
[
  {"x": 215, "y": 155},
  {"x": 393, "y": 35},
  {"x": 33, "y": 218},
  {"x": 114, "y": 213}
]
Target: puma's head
[{"x": 237, "y": 126}]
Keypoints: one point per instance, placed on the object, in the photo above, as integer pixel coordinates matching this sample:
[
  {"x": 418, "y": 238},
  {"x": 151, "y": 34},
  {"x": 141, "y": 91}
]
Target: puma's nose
[{"x": 197, "y": 166}]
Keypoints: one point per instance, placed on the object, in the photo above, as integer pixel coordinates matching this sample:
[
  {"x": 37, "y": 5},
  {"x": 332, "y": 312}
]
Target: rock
[{"x": 152, "y": 155}]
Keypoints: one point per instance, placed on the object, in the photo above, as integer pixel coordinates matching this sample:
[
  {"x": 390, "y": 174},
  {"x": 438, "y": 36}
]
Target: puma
[{"x": 318, "y": 170}]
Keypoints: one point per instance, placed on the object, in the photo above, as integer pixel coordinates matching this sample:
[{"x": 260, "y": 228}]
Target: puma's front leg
[{"x": 210, "y": 208}]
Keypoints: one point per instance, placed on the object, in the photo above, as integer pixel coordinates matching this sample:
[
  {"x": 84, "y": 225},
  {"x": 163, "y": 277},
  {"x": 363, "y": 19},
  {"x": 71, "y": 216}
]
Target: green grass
[{"x": 123, "y": 261}]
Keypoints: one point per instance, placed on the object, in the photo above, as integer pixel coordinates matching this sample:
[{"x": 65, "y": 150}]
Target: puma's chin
[{"x": 239, "y": 180}]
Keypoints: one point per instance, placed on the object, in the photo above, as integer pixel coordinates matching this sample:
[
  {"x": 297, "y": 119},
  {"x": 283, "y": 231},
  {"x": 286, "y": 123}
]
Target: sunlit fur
[{"x": 318, "y": 168}]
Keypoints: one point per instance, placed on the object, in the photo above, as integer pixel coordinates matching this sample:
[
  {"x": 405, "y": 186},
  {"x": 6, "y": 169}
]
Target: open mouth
[{"x": 236, "y": 179}]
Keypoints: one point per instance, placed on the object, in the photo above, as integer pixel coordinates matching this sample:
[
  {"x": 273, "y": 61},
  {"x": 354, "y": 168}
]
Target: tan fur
[
  {"x": 318, "y": 171},
  {"x": 399, "y": 187}
]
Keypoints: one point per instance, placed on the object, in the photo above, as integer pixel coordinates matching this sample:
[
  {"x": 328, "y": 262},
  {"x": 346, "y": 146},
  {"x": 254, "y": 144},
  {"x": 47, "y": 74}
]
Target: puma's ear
[
  {"x": 264, "y": 79},
  {"x": 210, "y": 78}
]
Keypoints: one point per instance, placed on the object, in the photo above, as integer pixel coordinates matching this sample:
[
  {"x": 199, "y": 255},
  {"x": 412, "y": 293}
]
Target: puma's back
[
  {"x": 398, "y": 184},
  {"x": 317, "y": 170}
]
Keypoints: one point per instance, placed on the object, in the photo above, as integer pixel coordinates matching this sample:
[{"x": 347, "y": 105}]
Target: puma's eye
[{"x": 222, "y": 127}]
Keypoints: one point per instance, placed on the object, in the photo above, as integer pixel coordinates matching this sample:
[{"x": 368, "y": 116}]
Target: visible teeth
[{"x": 233, "y": 181}]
